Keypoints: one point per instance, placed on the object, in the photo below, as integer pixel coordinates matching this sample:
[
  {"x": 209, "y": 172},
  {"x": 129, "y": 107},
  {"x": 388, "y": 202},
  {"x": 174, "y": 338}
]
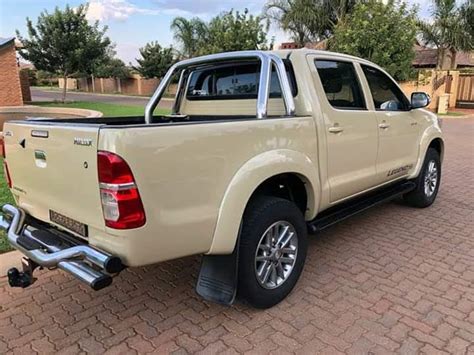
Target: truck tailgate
[{"x": 53, "y": 169}]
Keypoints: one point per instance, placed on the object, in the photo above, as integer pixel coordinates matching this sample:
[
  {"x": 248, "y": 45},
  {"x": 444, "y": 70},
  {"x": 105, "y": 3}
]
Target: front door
[
  {"x": 351, "y": 130},
  {"x": 397, "y": 125}
]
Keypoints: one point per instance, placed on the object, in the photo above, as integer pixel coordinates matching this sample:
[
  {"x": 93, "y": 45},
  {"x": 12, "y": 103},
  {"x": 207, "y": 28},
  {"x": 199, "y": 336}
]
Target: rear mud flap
[{"x": 218, "y": 277}]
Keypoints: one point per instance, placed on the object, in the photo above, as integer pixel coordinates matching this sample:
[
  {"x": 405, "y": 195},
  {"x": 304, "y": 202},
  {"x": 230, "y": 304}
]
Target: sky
[{"x": 133, "y": 23}]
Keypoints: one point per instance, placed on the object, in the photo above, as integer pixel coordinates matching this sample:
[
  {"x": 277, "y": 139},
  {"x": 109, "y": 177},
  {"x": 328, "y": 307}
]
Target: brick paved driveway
[{"x": 393, "y": 279}]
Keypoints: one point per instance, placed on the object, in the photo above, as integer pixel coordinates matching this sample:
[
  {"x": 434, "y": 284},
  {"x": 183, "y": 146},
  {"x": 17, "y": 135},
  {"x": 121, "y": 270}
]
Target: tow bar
[{"x": 43, "y": 248}]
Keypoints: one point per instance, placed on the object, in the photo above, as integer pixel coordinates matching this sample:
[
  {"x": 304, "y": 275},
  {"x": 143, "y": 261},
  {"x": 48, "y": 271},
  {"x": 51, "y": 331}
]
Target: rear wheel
[
  {"x": 427, "y": 183},
  {"x": 272, "y": 250}
]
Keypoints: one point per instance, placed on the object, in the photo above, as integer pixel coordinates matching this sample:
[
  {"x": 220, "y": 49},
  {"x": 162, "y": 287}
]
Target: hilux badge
[{"x": 83, "y": 141}]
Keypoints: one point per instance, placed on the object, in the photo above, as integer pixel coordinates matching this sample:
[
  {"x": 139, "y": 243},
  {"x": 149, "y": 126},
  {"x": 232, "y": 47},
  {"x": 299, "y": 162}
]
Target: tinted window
[
  {"x": 224, "y": 81},
  {"x": 234, "y": 81},
  {"x": 340, "y": 84},
  {"x": 385, "y": 93}
]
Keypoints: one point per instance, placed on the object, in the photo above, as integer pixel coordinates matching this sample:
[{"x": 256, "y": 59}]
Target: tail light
[
  {"x": 121, "y": 202},
  {"x": 5, "y": 165}
]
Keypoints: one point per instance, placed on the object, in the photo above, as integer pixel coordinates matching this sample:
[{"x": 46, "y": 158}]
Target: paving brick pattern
[{"x": 391, "y": 280}]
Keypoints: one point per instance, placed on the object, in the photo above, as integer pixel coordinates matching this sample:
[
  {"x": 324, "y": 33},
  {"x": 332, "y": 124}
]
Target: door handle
[
  {"x": 414, "y": 123},
  {"x": 335, "y": 129},
  {"x": 384, "y": 125}
]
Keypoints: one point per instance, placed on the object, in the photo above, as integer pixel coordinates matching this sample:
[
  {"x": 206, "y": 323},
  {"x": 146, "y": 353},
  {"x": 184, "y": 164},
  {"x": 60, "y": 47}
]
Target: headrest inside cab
[{"x": 332, "y": 85}]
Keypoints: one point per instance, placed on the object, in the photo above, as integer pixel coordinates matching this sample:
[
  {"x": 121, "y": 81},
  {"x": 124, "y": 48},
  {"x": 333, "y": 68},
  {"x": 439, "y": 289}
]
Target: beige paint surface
[{"x": 195, "y": 179}]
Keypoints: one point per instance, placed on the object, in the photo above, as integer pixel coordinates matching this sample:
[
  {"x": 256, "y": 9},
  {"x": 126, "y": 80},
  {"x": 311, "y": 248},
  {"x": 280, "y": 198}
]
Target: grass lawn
[
  {"x": 452, "y": 114},
  {"x": 5, "y": 197},
  {"x": 106, "y": 108}
]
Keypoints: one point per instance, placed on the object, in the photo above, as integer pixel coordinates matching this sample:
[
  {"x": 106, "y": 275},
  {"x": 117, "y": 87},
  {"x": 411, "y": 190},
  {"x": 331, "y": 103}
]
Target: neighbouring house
[
  {"x": 10, "y": 85},
  {"x": 426, "y": 57},
  {"x": 288, "y": 45},
  {"x": 321, "y": 45}
]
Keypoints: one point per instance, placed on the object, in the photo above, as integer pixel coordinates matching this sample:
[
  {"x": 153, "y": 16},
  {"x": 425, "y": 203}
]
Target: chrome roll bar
[{"x": 267, "y": 60}]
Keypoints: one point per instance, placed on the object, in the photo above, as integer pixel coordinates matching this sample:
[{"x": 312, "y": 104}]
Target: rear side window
[
  {"x": 340, "y": 84},
  {"x": 386, "y": 95},
  {"x": 234, "y": 81}
]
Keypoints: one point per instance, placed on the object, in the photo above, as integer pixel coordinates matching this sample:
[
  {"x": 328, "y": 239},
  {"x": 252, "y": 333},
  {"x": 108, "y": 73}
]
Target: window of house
[
  {"x": 340, "y": 84},
  {"x": 234, "y": 81},
  {"x": 385, "y": 93}
]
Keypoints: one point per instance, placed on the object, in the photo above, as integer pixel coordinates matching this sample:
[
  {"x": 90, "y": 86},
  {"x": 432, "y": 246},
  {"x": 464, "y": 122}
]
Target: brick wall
[
  {"x": 10, "y": 89},
  {"x": 433, "y": 82},
  {"x": 148, "y": 86},
  {"x": 134, "y": 85},
  {"x": 25, "y": 86}
]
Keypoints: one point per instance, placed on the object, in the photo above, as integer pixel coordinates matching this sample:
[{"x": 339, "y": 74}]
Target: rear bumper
[{"x": 44, "y": 247}]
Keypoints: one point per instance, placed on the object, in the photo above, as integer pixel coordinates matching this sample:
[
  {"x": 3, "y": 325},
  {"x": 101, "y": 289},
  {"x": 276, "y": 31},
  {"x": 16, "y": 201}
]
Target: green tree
[
  {"x": 236, "y": 31},
  {"x": 450, "y": 30},
  {"x": 45, "y": 78},
  {"x": 308, "y": 20},
  {"x": 190, "y": 34},
  {"x": 112, "y": 68},
  {"x": 64, "y": 42},
  {"x": 155, "y": 60},
  {"x": 382, "y": 33}
]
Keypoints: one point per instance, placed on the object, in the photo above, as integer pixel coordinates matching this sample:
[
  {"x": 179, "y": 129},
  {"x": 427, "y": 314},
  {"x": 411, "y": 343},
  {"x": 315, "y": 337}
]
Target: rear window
[
  {"x": 340, "y": 84},
  {"x": 234, "y": 81}
]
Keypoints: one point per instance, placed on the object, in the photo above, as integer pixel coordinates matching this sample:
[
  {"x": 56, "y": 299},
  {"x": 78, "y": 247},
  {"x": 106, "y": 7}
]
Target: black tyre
[
  {"x": 273, "y": 244},
  {"x": 427, "y": 183}
]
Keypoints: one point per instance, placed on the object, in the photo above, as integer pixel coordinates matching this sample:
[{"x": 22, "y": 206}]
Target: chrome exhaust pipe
[
  {"x": 72, "y": 258},
  {"x": 83, "y": 272}
]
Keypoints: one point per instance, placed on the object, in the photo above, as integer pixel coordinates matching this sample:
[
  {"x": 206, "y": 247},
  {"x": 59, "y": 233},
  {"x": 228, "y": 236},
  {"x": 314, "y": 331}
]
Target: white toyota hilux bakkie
[{"x": 260, "y": 149}]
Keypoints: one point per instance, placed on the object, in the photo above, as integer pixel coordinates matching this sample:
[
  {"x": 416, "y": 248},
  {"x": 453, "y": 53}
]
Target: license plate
[{"x": 69, "y": 223}]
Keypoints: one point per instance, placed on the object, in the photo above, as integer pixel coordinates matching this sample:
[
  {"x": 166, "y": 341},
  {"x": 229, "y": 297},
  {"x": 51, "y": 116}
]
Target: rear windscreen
[{"x": 237, "y": 80}]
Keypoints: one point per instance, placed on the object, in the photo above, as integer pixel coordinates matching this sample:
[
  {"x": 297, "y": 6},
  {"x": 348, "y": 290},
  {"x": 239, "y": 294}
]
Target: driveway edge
[{"x": 8, "y": 260}]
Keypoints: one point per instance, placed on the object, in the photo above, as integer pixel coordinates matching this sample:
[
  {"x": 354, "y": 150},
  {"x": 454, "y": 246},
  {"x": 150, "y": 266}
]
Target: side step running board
[{"x": 333, "y": 215}]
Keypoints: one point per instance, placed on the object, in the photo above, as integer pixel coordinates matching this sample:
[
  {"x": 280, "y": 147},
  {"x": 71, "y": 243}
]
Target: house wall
[
  {"x": 434, "y": 83},
  {"x": 25, "y": 86},
  {"x": 10, "y": 89}
]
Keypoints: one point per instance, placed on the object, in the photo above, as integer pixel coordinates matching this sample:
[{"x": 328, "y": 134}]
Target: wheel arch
[
  {"x": 256, "y": 176},
  {"x": 430, "y": 139},
  {"x": 438, "y": 145}
]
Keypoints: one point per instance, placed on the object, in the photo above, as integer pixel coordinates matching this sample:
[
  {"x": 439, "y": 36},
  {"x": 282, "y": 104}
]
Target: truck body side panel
[{"x": 182, "y": 174}]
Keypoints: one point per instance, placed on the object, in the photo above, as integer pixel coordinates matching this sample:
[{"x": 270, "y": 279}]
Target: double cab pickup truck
[{"x": 260, "y": 149}]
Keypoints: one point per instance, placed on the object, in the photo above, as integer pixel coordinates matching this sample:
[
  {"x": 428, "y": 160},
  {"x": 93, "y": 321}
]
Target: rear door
[
  {"x": 53, "y": 169},
  {"x": 351, "y": 130}
]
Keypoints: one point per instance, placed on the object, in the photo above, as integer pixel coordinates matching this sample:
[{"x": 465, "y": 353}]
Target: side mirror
[{"x": 420, "y": 99}]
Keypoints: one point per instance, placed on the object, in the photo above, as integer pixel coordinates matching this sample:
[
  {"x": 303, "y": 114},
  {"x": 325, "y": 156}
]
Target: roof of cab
[{"x": 288, "y": 53}]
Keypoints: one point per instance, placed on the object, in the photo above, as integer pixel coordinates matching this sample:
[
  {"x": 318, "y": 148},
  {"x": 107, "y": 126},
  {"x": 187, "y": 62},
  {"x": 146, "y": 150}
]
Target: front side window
[
  {"x": 340, "y": 84},
  {"x": 234, "y": 81},
  {"x": 385, "y": 93}
]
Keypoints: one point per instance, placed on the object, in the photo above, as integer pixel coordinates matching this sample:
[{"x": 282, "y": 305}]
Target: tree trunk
[
  {"x": 453, "y": 58},
  {"x": 440, "y": 58},
  {"x": 93, "y": 82},
  {"x": 301, "y": 40},
  {"x": 64, "y": 87}
]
